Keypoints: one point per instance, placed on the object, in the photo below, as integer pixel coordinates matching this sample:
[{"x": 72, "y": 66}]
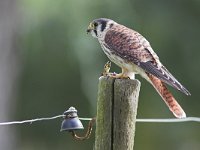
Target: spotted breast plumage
[{"x": 133, "y": 53}]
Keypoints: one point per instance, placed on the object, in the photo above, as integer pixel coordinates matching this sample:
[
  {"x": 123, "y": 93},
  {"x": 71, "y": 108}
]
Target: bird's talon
[
  {"x": 119, "y": 76},
  {"x": 124, "y": 77},
  {"x": 106, "y": 69}
]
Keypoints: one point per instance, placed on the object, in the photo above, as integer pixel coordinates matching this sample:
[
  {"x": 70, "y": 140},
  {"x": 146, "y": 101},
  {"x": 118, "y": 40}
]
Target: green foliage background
[{"x": 61, "y": 65}]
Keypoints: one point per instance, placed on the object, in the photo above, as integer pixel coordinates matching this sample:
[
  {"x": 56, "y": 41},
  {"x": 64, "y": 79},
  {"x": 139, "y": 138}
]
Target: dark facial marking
[
  {"x": 103, "y": 25},
  {"x": 95, "y": 31}
]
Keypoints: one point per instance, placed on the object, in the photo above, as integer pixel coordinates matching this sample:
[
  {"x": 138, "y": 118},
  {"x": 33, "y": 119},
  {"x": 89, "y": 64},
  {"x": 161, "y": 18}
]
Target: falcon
[{"x": 133, "y": 53}]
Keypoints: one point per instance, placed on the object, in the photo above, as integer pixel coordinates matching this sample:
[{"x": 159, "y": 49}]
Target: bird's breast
[{"x": 130, "y": 66}]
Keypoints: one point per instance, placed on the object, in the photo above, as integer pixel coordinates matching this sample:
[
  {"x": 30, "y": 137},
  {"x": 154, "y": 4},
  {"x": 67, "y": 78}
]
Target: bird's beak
[{"x": 90, "y": 28}]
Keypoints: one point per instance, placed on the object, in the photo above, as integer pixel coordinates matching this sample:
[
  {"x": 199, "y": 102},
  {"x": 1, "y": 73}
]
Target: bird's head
[{"x": 99, "y": 27}]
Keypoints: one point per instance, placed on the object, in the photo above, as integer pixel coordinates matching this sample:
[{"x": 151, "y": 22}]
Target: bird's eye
[{"x": 95, "y": 24}]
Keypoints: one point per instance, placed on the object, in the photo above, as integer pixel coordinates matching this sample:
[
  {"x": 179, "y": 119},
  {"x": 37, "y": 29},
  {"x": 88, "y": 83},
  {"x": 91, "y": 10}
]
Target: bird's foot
[
  {"x": 106, "y": 72},
  {"x": 120, "y": 76},
  {"x": 106, "y": 69},
  {"x": 116, "y": 76}
]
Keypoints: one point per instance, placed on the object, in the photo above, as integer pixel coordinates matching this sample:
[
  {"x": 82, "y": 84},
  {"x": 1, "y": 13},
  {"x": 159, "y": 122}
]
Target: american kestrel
[{"x": 132, "y": 52}]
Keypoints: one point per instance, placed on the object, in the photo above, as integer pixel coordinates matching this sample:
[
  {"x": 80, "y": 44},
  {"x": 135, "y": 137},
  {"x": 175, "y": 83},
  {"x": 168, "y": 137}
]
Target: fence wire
[{"x": 167, "y": 120}]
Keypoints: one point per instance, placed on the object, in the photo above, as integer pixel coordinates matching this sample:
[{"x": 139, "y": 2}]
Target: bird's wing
[
  {"x": 133, "y": 47},
  {"x": 163, "y": 74}
]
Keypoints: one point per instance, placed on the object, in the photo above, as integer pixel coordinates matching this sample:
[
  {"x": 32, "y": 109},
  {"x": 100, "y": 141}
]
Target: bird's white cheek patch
[{"x": 93, "y": 34}]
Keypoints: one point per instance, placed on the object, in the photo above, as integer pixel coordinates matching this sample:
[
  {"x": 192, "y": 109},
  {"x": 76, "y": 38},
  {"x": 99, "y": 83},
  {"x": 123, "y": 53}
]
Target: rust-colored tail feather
[{"x": 167, "y": 96}]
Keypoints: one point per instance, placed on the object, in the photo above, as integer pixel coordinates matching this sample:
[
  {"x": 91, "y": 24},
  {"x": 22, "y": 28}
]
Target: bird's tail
[{"x": 167, "y": 96}]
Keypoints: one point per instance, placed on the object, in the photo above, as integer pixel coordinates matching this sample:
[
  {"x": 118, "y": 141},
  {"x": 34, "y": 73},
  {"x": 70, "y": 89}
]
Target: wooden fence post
[{"x": 116, "y": 113}]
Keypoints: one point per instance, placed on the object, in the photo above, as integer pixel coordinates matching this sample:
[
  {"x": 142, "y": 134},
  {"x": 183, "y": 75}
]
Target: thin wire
[
  {"x": 85, "y": 119},
  {"x": 30, "y": 121},
  {"x": 170, "y": 120}
]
